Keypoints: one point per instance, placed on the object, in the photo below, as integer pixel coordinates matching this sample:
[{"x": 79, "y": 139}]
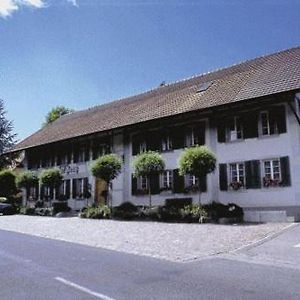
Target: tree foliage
[
  {"x": 55, "y": 113},
  {"x": 51, "y": 178},
  {"x": 27, "y": 179},
  {"x": 7, "y": 184},
  {"x": 148, "y": 164},
  {"x": 198, "y": 161},
  {"x": 107, "y": 167},
  {"x": 7, "y": 138}
]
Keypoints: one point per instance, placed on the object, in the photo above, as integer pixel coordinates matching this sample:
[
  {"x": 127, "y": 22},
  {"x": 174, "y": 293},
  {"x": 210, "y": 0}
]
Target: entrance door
[{"x": 100, "y": 191}]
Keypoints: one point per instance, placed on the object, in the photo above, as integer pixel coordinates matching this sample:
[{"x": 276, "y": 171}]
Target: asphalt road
[{"x": 39, "y": 268}]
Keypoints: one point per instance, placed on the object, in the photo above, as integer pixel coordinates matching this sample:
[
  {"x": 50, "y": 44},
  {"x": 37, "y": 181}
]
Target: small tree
[
  {"x": 198, "y": 161},
  {"x": 55, "y": 113},
  {"x": 27, "y": 180},
  {"x": 51, "y": 178},
  {"x": 148, "y": 164},
  {"x": 7, "y": 184},
  {"x": 107, "y": 167},
  {"x": 7, "y": 138}
]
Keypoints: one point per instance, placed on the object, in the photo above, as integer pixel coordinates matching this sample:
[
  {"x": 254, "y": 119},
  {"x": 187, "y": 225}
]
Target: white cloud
[
  {"x": 7, "y": 7},
  {"x": 74, "y": 2},
  {"x": 35, "y": 3}
]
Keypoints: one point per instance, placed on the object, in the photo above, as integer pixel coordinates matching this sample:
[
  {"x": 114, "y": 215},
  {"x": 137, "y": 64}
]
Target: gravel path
[{"x": 174, "y": 242}]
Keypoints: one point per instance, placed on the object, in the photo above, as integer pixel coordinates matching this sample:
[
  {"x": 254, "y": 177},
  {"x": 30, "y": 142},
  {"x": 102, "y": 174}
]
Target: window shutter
[
  {"x": 42, "y": 192},
  {"x": 75, "y": 154},
  {"x": 51, "y": 193},
  {"x": 285, "y": 171},
  {"x": 253, "y": 180},
  {"x": 135, "y": 144},
  {"x": 277, "y": 116},
  {"x": 199, "y": 133},
  {"x": 74, "y": 189},
  {"x": 68, "y": 183},
  {"x": 57, "y": 193},
  {"x": 223, "y": 180},
  {"x": 178, "y": 186},
  {"x": 203, "y": 184},
  {"x": 87, "y": 153},
  {"x": 133, "y": 185},
  {"x": 155, "y": 187},
  {"x": 178, "y": 137},
  {"x": 221, "y": 132},
  {"x": 37, "y": 190},
  {"x": 250, "y": 125},
  {"x": 153, "y": 141}
]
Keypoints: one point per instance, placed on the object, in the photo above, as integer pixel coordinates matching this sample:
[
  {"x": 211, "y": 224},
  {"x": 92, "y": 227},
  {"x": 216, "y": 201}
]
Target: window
[
  {"x": 272, "y": 173},
  {"x": 237, "y": 175},
  {"x": 191, "y": 181},
  {"x": 191, "y": 139},
  {"x": 235, "y": 130},
  {"x": 80, "y": 188},
  {"x": 268, "y": 126},
  {"x": 64, "y": 190},
  {"x": 100, "y": 150},
  {"x": 166, "y": 143},
  {"x": 167, "y": 180},
  {"x": 142, "y": 147},
  {"x": 33, "y": 193},
  {"x": 142, "y": 183}
]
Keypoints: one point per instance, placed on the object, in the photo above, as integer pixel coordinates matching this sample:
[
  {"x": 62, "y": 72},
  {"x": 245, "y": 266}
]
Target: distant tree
[
  {"x": 198, "y": 161},
  {"x": 148, "y": 164},
  {"x": 7, "y": 184},
  {"x": 7, "y": 138},
  {"x": 55, "y": 113},
  {"x": 51, "y": 178},
  {"x": 107, "y": 167}
]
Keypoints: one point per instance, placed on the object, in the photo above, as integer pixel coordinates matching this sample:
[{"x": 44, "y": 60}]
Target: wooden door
[{"x": 100, "y": 191}]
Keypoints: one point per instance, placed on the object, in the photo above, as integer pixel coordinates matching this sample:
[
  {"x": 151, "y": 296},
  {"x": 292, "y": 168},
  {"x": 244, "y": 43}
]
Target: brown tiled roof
[{"x": 259, "y": 77}]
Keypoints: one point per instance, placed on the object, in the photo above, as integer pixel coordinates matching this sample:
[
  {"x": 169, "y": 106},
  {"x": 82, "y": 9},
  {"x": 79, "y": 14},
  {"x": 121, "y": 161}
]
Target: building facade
[{"x": 248, "y": 115}]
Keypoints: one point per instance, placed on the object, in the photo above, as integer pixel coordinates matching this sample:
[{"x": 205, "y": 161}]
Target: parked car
[{"x": 6, "y": 209}]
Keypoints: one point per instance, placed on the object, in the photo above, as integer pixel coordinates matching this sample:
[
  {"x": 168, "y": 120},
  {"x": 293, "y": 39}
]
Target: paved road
[{"x": 38, "y": 268}]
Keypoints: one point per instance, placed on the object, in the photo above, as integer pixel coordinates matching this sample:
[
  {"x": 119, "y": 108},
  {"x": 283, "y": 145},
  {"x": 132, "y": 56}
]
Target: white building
[{"x": 247, "y": 114}]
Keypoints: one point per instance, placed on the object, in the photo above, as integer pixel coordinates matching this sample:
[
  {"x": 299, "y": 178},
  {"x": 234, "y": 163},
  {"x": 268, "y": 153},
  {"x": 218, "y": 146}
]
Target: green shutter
[
  {"x": 199, "y": 133},
  {"x": 203, "y": 184},
  {"x": 223, "y": 180},
  {"x": 178, "y": 182},
  {"x": 253, "y": 180},
  {"x": 278, "y": 118},
  {"x": 178, "y": 137},
  {"x": 74, "y": 188},
  {"x": 155, "y": 188},
  {"x": 133, "y": 185},
  {"x": 68, "y": 183},
  {"x": 285, "y": 171},
  {"x": 221, "y": 131},
  {"x": 250, "y": 125}
]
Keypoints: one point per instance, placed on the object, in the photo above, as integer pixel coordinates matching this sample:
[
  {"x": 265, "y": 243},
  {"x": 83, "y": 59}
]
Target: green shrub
[
  {"x": 193, "y": 213},
  {"x": 125, "y": 211},
  {"x": 149, "y": 213},
  {"x": 44, "y": 211},
  {"x": 96, "y": 212},
  {"x": 8, "y": 186},
  {"x": 218, "y": 210},
  {"x": 60, "y": 207},
  {"x": 25, "y": 210}
]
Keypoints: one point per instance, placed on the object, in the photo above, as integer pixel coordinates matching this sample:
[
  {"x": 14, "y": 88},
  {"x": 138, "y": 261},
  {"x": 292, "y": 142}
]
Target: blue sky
[{"x": 87, "y": 52}]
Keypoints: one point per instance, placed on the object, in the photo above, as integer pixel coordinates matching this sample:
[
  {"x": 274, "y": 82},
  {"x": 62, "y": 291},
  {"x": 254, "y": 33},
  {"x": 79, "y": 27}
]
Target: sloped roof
[{"x": 259, "y": 77}]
